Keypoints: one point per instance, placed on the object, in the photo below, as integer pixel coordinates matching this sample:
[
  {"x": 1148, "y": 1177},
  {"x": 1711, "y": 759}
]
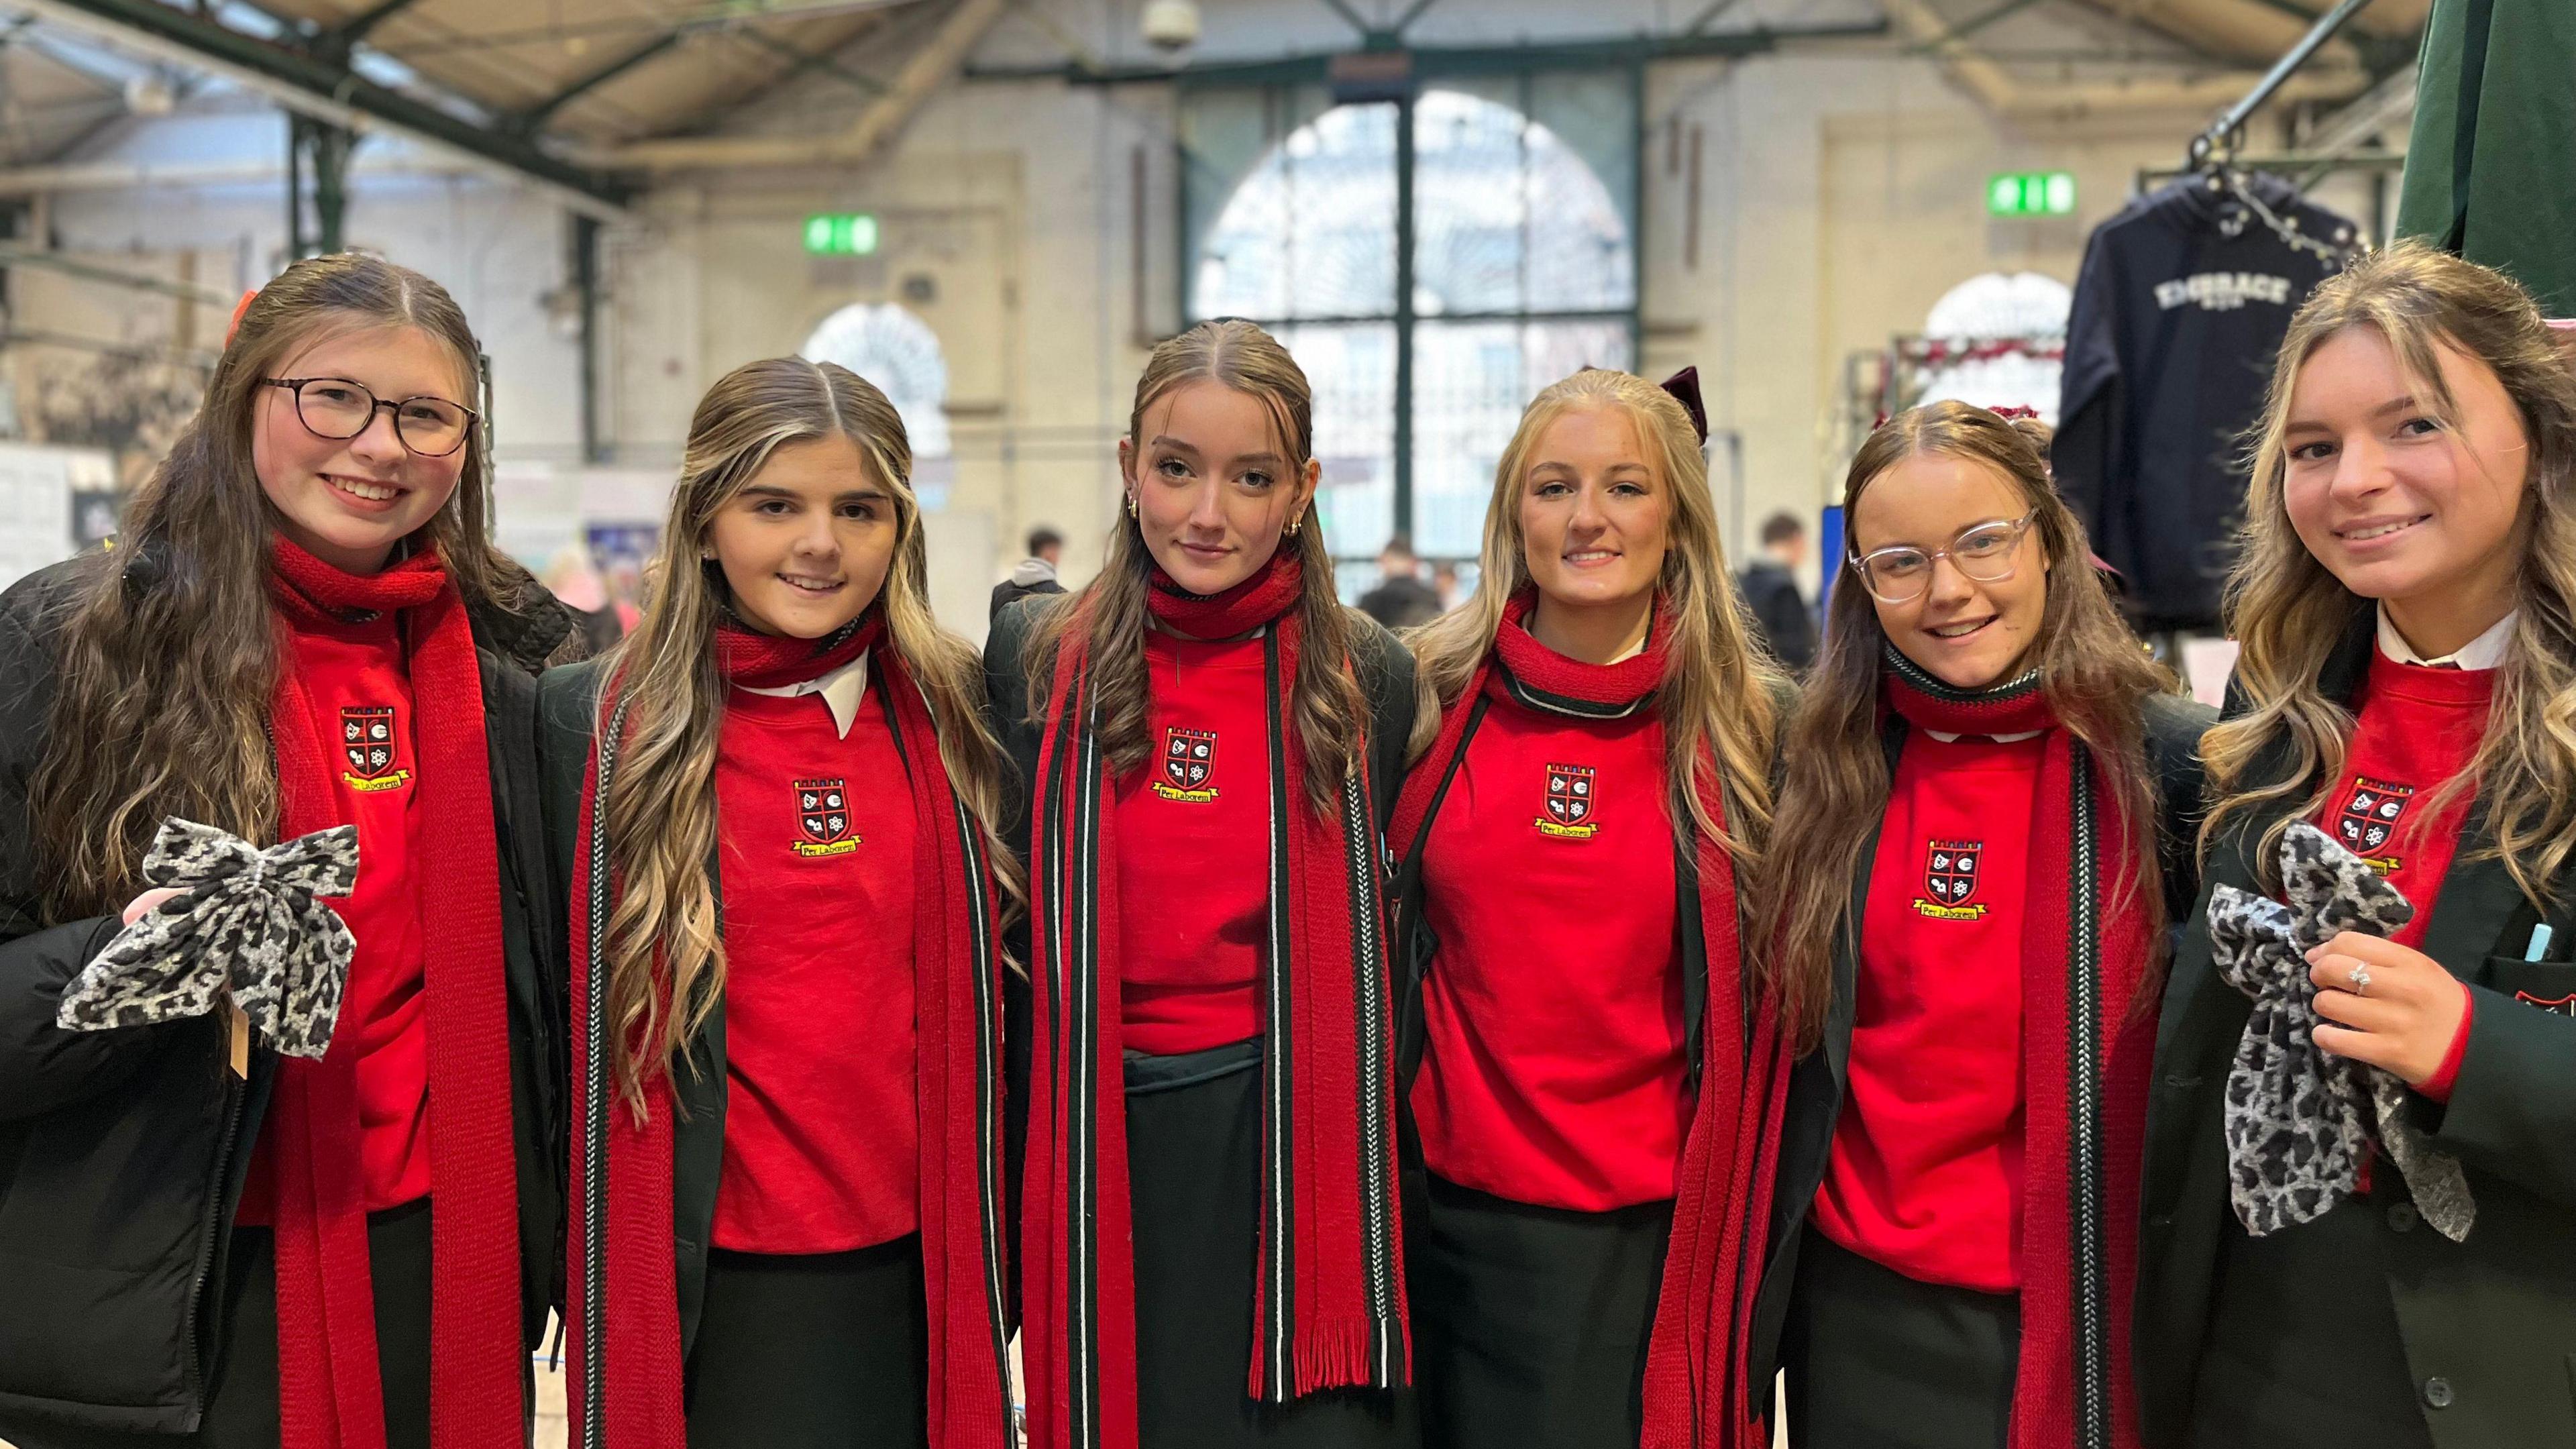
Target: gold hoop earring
[
  {"x": 1293, "y": 525},
  {"x": 1131, "y": 505}
]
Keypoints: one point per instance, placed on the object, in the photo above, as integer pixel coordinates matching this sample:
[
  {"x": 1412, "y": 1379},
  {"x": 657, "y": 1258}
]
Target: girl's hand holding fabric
[
  {"x": 231, "y": 920},
  {"x": 2399, "y": 1015},
  {"x": 142, "y": 905}
]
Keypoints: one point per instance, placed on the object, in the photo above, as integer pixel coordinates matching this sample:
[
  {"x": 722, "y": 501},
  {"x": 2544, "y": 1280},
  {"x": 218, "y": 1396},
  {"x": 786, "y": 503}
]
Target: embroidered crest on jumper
[
  {"x": 1189, "y": 765},
  {"x": 367, "y": 743},
  {"x": 1571, "y": 803},
  {"x": 1950, "y": 878},
  {"x": 823, "y": 814},
  {"x": 2369, "y": 820},
  {"x": 2562, "y": 1005}
]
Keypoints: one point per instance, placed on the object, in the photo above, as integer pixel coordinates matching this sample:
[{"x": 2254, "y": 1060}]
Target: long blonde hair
[
  {"x": 665, "y": 948},
  {"x": 168, "y": 661},
  {"x": 1835, "y": 784},
  {"x": 1111, "y": 609},
  {"x": 1720, "y": 685},
  {"x": 2288, "y": 612}
]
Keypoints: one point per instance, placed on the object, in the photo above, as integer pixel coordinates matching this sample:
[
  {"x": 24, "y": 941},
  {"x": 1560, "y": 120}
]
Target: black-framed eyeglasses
[
  {"x": 336, "y": 408},
  {"x": 1985, "y": 552}
]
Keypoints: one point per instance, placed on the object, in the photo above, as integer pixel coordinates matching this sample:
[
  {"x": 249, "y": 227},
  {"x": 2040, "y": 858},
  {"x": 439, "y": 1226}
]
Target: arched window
[
  {"x": 1523, "y": 267},
  {"x": 900, "y": 354}
]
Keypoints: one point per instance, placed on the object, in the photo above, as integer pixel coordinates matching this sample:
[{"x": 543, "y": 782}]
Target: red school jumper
[
  {"x": 1926, "y": 1170},
  {"x": 1553, "y": 1069},
  {"x": 359, "y": 681},
  {"x": 1195, "y": 821},
  {"x": 2418, "y": 727},
  {"x": 821, "y": 1141}
]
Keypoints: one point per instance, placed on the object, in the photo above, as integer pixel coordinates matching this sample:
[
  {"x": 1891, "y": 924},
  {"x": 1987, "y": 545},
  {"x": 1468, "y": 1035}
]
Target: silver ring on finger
[{"x": 2361, "y": 981}]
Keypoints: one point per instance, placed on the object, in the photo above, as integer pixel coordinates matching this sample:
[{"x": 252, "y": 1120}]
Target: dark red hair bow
[
  {"x": 2008, "y": 414},
  {"x": 1684, "y": 386}
]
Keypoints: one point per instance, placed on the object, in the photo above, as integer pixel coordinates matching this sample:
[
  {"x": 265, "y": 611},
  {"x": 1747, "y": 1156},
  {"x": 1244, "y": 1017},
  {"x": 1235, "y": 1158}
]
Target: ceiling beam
[
  {"x": 933, "y": 65},
  {"x": 354, "y": 29},
  {"x": 325, "y": 91},
  {"x": 1994, "y": 87},
  {"x": 14, "y": 255},
  {"x": 527, "y": 121},
  {"x": 1428, "y": 62}
]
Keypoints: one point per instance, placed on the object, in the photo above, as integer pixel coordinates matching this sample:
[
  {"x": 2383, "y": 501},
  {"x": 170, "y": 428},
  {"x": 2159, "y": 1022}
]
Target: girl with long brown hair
[
  {"x": 304, "y": 628},
  {"x": 2381, "y": 1257},
  {"x": 771, "y": 802},
  {"x": 1991, "y": 786},
  {"x": 1210, "y": 742},
  {"x": 1595, "y": 782}
]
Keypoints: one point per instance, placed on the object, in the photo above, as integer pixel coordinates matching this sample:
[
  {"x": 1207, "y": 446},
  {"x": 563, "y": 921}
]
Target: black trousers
[
  {"x": 812, "y": 1351},
  {"x": 1530, "y": 1324},
  {"x": 241, "y": 1388},
  {"x": 1876, "y": 1359},
  {"x": 1194, "y": 1180}
]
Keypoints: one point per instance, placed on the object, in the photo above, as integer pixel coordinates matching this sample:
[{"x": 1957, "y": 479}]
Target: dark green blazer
[{"x": 2489, "y": 1325}]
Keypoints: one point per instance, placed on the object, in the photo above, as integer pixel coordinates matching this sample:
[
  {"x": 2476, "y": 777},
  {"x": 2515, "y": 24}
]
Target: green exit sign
[
  {"x": 2031, "y": 193},
  {"x": 841, "y": 234}
]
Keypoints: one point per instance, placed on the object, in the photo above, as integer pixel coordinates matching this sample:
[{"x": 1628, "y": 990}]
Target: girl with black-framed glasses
[{"x": 304, "y": 627}]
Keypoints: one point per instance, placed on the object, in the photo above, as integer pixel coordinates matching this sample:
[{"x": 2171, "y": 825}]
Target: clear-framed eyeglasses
[
  {"x": 336, "y": 408},
  {"x": 1985, "y": 552}
]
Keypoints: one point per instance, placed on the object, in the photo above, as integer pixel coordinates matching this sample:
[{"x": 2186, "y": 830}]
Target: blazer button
[
  {"x": 2402, "y": 1217},
  {"x": 2437, "y": 1392}
]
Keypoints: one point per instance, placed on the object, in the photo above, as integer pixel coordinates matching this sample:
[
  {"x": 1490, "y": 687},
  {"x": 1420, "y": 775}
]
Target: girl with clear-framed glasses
[
  {"x": 304, "y": 626},
  {"x": 1985, "y": 805}
]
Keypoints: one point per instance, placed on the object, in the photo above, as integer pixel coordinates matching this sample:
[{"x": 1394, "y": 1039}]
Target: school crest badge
[
  {"x": 1189, "y": 765},
  {"x": 823, "y": 818},
  {"x": 367, "y": 743},
  {"x": 1950, "y": 879},
  {"x": 2369, "y": 820},
  {"x": 1571, "y": 802},
  {"x": 2562, "y": 1005}
]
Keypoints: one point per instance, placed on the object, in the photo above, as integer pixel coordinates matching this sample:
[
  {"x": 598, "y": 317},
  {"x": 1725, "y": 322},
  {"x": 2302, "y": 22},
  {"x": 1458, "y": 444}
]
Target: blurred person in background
[
  {"x": 1769, "y": 584},
  {"x": 1034, "y": 574},
  {"x": 1211, "y": 1244},
  {"x": 1444, "y": 582},
  {"x": 576, "y": 582},
  {"x": 1401, "y": 599},
  {"x": 790, "y": 1185},
  {"x": 303, "y": 629}
]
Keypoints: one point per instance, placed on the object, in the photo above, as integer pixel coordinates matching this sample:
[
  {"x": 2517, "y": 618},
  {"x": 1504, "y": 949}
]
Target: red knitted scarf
[
  {"x": 1696, "y": 1391},
  {"x": 1329, "y": 1302},
  {"x": 329, "y": 1393},
  {"x": 623, "y": 1312},
  {"x": 2086, "y": 938}
]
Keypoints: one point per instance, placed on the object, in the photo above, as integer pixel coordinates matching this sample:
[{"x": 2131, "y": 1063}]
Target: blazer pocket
[{"x": 2545, "y": 985}]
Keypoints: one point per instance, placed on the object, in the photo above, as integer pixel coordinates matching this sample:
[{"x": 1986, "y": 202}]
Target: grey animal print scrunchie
[
  {"x": 247, "y": 921},
  {"x": 2300, "y": 1123}
]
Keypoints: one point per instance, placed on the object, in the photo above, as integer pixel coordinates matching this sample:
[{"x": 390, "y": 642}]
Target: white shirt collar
[
  {"x": 840, "y": 689},
  {"x": 1947, "y": 738},
  {"x": 2484, "y": 652}
]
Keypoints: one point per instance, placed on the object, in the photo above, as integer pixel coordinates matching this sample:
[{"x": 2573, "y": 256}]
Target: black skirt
[
  {"x": 1875, "y": 1358},
  {"x": 1530, "y": 1324},
  {"x": 241, "y": 1386},
  {"x": 812, "y": 1351},
  {"x": 1194, "y": 1184}
]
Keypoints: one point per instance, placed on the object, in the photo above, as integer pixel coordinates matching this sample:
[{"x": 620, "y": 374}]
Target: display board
[{"x": 37, "y": 484}]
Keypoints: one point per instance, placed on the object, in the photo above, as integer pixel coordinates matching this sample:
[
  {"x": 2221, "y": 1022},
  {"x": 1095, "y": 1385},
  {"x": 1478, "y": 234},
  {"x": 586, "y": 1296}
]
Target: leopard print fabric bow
[
  {"x": 2301, "y": 1123},
  {"x": 246, "y": 921}
]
